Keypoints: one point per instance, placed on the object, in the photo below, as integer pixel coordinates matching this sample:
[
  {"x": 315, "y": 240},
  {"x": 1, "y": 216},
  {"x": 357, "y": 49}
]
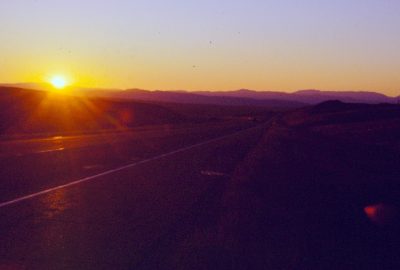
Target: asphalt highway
[{"x": 110, "y": 201}]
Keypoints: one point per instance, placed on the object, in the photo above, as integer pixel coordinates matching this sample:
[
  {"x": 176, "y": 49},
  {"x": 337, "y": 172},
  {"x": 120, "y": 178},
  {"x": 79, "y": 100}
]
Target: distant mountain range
[
  {"x": 244, "y": 97},
  {"x": 310, "y": 96},
  {"x": 250, "y": 97}
]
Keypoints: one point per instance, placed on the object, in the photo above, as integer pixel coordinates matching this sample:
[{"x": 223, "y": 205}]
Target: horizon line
[{"x": 79, "y": 87}]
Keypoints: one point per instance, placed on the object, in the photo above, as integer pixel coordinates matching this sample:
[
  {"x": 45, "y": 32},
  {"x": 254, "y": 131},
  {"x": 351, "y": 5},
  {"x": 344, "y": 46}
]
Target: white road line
[
  {"x": 89, "y": 178},
  {"x": 49, "y": 150}
]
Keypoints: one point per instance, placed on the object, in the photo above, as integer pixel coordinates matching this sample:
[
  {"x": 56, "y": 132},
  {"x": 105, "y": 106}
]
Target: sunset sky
[{"x": 204, "y": 45}]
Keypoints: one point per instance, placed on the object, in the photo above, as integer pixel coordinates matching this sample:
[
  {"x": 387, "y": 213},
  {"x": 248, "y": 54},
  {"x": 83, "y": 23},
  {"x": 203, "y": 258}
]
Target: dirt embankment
[{"x": 299, "y": 200}]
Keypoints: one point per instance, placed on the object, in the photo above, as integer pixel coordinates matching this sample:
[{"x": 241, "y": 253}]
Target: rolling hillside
[{"x": 27, "y": 111}]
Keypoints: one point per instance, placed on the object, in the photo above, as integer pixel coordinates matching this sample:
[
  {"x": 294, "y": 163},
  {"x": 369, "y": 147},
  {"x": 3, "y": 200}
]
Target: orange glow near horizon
[{"x": 156, "y": 76}]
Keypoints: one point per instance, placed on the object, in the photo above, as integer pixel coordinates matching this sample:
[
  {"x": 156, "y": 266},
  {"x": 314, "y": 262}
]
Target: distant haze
[{"x": 204, "y": 45}]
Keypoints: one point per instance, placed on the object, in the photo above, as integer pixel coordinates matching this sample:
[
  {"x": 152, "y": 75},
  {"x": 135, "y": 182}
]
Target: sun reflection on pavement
[{"x": 55, "y": 203}]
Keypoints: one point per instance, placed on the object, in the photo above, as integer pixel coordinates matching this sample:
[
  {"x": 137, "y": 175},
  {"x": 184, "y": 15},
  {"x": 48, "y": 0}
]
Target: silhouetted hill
[
  {"x": 335, "y": 112},
  {"x": 242, "y": 97},
  {"x": 27, "y": 111},
  {"x": 316, "y": 96},
  {"x": 323, "y": 184},
  {"x": 308, "y": 96},
  {"x": 198, "y": 98}
]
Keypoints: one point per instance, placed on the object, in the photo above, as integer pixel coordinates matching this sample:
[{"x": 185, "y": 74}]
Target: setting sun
[{"x": 58, "y": 82}]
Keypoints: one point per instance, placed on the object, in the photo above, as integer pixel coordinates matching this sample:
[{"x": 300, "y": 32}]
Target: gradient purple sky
[{"x": 204, "y": 45}]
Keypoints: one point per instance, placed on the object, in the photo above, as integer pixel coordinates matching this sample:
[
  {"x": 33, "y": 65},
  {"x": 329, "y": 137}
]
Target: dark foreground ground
[
  {"x": 124, "y": 219},
  {"x": 300, "y": 199},
  {"x": 316, "y": 188}
]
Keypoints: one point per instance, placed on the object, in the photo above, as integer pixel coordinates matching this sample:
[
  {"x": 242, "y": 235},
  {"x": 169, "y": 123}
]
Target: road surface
[{"x": 112, "y": 201}]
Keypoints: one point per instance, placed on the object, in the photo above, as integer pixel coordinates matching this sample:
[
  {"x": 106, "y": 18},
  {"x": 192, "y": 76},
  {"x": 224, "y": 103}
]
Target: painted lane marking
[{"x": 49, "y": 150}]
